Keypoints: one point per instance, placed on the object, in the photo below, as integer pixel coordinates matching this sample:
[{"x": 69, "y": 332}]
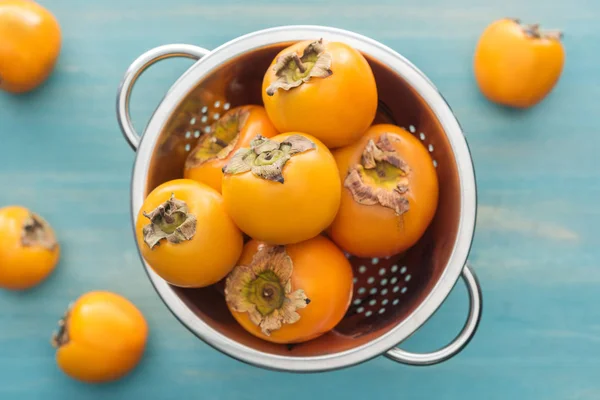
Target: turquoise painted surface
[{"x": 536, "y": 247}]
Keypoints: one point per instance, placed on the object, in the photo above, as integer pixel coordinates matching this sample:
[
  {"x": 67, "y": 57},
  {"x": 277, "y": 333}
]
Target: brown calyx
[
  {"x": 221, "y": 140},
  {"x": 266, "y": 158},
  {"x": 292, "y": 70},
  {"x": 263, "y": 289},
  {"x": 381, "y": 177},
  {"x": 170, "y": 221},
  {"x": 534, "y": 31},
  {"x": 37, "y": 232},
  {"x": 61, "y": 337}
]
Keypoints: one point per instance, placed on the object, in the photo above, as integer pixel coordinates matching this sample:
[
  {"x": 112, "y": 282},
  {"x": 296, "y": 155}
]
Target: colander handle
[
  {"x": 463, "y": 338},
  {"x": 133, "y": 73}
]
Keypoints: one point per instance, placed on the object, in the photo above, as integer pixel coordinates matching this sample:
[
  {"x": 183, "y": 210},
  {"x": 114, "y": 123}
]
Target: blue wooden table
[{"x": 536, "y": 249}]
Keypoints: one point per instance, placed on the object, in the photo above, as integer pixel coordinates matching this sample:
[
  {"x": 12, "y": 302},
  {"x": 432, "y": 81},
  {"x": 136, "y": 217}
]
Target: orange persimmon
[
  {"x": 390, "y": 193},
  {"x": 282, "y": 190},
  {"x": 29, "y": 251},
  {"x": 101, "y": 338},
  {"x": 30, "y": 45},
  {"x": 185, "y": 234},
  {"x": 323, "y": 88},
  {"x": 517, "y": 65},
  {"x": 235, "y": 129},
  {"x": 290, "y": 294}
]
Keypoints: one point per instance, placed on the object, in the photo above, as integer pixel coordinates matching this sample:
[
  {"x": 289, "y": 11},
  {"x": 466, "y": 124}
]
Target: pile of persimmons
[{"x": 274, "y": 195}]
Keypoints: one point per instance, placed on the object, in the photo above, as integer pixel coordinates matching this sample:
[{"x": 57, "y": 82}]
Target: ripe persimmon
[
  {"x": 282, "y": 190},
  {"x": 290, "y": 294},
  {"x": 235, "y": 129},
  {"x": 390, "y": 193},
  {"x": 185, "y": 235},
  {"x": 323, "y": 88},
  {"x": 30, "y": 45},
  {"x": 29, "y": 251},
  {"x": 101, "y": 338},
  {"x": 517, "y": 65}
]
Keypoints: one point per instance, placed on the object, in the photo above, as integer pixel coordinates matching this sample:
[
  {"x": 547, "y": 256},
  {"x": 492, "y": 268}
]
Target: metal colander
[{"x": 393, "y": 296}]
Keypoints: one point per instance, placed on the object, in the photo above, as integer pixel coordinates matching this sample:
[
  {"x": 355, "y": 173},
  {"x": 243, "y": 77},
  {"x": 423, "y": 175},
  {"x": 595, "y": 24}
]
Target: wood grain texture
[{"x": 536, "y": 247}]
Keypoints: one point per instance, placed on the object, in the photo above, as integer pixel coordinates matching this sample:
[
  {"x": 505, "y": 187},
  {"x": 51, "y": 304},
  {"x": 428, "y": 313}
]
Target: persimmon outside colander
[{"x": 393, "y": 296}]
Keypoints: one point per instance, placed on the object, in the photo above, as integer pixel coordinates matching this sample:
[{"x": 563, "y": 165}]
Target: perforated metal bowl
[{"x": 393, "y": 297}]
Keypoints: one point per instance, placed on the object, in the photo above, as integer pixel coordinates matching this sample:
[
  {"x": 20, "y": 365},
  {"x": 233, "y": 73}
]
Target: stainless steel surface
[
  {"x": 463, "y": 338},
  {"x": 133, "y": 73},
  {"x": 393, "y": 297}
]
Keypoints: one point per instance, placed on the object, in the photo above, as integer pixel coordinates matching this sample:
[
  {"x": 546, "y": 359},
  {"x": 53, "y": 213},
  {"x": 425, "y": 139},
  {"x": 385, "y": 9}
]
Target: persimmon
[
  {"x": 235, "y": 129},
  {"x": 30, "y": 45},
  {"x": 324, "y": 88},
  {"x": 185, "y": 235},
  {"x": 282, "y": 190},
  {"x": 517, "y": 65},
  {"x": 29, "y": 250},
  {"x": 390, "y": 193},
  {"x": 101, "y": 338},
  {"x": 290, "y": 294}
]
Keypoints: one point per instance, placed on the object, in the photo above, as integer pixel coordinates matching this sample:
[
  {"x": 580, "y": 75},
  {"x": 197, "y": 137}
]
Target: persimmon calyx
[
  {"x": 292, "y": 70},
  {"x": 37, "y": 232},
  {"x": 263, "y": 289},
  {"x": 170, "y": 221},
  {"x": 220, "y": 141},
  {"x": 381, "y": 177},
  {"x": 534, "y": 31},
  {"x": 266, "y": 158},
  {"x": 61, "y": 337}
]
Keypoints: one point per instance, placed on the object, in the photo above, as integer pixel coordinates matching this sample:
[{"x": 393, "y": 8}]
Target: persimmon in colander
[
  {"x": 29, "y": 251},
  {"x": 235, "y": 129},
  {"x": 390, "y": 193},
  {"x": 185, "y": 234},
  {"x": 282, "y": 190},
  {"x": 323, "y": 88},
  {"x": 290, "y": 294}
]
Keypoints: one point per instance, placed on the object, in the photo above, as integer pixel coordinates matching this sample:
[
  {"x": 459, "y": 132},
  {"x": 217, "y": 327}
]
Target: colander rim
[{"x": 422, "y": 85}]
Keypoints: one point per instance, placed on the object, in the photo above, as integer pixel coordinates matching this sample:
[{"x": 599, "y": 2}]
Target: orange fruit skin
[
  {"x": 338, "y": 109},
  {"x": 22, "y": 267},
  {"x": 325, "y": 275},
  {"x": 513, "y": 69},
  {"x": 107, "y": 336},
  {"x": 374, "y": 230},
  {"x": 290, "y": 212},
  {"x": 30, "y": 45},
  {"x": 211, "y": 172},
  {"x": 212, "y": 252}
]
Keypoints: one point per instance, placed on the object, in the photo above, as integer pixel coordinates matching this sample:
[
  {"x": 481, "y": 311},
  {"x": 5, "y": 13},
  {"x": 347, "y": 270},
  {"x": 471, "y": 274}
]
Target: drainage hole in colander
[
  {"x": 396, "y": 289},
  {"x": 348, "y": 255},
  {"x": 403, "y": 270},
  {"x": 216, "y": 116},
  {"x": 435, "y": 163},
  {"x": 355, "y": 280},
  {"x": 196, "y": 134},
  {"x": 383, "y": 282},
  {"x": 361, "y": 290},
  {"x": 412, "y": 128},
  {"x": 357, "y": 302},
  {"x": 188, "y": 134},
  {"x": 373, "y": 291},
  {"x": 395, "y": 302},
  {"x": 384, "y": 302},
  {"x": 207, "y": 129},
  {"x": 375, "y": 261},
  {"x": 384, "y": 291},
  {"x": 226, "y": 106},
  {"x": 381, "y": 310},
  {"x": 217, "y": 104},
  {"x": 393, "y": 280},
  {"x": 187, "y": 147},
  {"x": 422, "y": 136},
  {"x": 360, "y": 309},
  {"x": 204, "y": 119},
  {"x": 368, "y": 313},
  {"x": 204, "y": 110},
  {"x": 193, "y": 121},
  {"x": 372, "y": 302},
  {"x": 430, "y": 148},
  {"x": 370, "y": 280},
  {"x": 394, "y": 268},
  {"x": 382, "y": 271},
  {"x": 407, "y": 278},
  {"x": 362, "y": 269},
  {"x": 403, "y": 290}
]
